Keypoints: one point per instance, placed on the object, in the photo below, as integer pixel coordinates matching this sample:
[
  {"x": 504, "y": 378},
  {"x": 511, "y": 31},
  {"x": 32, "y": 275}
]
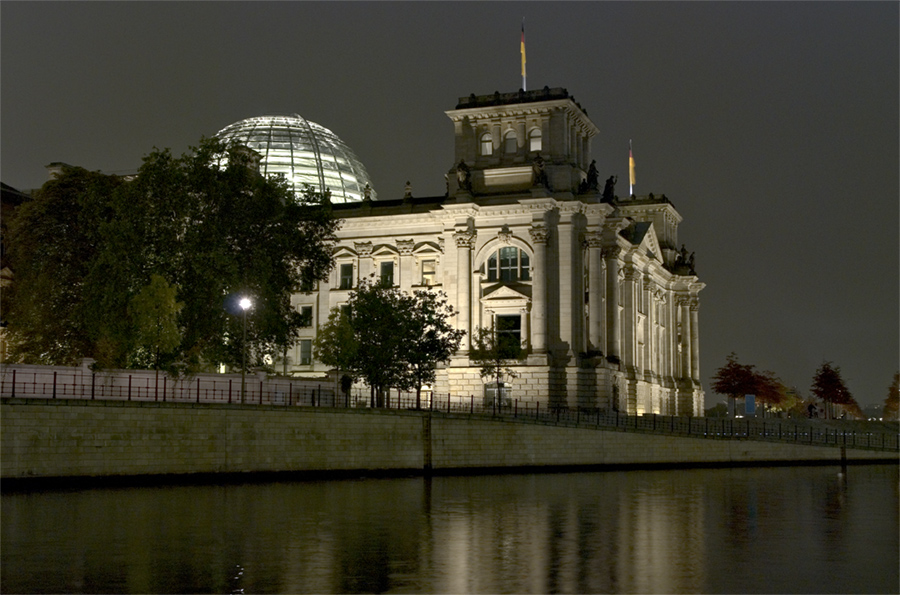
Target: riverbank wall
[{"x": 41, "y": 438}]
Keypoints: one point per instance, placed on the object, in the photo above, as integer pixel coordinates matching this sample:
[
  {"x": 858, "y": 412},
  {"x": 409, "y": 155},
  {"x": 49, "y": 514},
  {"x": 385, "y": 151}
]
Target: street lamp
[{"x": 245, "y": 304}]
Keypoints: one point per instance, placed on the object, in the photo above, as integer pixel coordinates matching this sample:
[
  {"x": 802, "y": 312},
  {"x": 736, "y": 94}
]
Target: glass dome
[{"x": 303, "y": 152}]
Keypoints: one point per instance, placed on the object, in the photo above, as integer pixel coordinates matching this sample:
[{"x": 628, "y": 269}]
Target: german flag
[{"x": 522, "y": 50}]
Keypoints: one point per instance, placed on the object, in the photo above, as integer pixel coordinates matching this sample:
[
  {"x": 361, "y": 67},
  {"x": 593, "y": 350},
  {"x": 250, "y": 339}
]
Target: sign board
[{"x": 749, "y": 405}]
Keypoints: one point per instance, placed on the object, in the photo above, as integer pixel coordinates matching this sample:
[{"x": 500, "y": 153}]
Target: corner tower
[{"x": 501, "y": 136}]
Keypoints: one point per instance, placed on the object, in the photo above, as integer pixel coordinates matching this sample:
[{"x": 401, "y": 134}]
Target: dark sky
[{"x": 773, "y": 127}]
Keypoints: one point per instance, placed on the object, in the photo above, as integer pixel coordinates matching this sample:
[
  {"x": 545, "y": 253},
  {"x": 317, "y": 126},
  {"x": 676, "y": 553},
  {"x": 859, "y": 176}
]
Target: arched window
[
  {"x": 534, "y": 140},
  {"x": 510, "y": 143},
  {"x": 508, "y": 264},
  {"x": 487, "y": 144}
]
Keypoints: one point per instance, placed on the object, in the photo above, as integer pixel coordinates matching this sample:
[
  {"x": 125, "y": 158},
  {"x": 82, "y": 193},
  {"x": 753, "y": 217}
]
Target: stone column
[
  {"x": 364, "y": 251},
  {"x": 649, "y": 328},
  {"x": 464, "y": 240},
  {"x": 694, "y": 305},
  {"x": 630, "y": 353},
  {"x": 539, "y": 236},
  {"x": 684, "y": 306},
  {"x": 614, "y": 344},
  {"x": 526, "y": 329},
  {"x": 407, "y": 273},
  {"x": 571, "y": 304},
  {"x": 595, "y": 289}
]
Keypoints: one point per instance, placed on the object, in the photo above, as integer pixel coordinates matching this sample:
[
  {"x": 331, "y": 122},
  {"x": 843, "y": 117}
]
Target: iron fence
[{"x": 286, "y": 393}]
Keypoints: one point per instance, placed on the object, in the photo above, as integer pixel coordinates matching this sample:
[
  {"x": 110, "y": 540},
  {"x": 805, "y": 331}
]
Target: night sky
[{"x": 772, "y": 127}]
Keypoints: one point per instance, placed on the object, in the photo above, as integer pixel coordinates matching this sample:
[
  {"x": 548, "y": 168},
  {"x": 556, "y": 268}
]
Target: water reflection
[{"x": 771, "y": 530}]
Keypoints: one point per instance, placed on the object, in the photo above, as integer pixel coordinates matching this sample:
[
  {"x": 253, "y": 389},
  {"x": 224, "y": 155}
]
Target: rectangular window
[
  {"x": 492, "y": 267},
  {"x": 305, "y": 352},
  {"x": 306, "y": 314},
  {"x": 346, "y": 276},
  {"x": 387, "y": 273},
  {"x": 509, "y": 335},
  {"x": 429, "y": 272},
  {"x": 509, "y": 264},
  {"x": 524, "y": 264}
]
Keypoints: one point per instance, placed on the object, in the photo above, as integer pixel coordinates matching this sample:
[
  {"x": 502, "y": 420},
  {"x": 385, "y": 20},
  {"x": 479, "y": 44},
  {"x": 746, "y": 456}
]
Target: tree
[
  {"x": 494, "y": 350},
  {"x": 891, "y": 410},
  {"x": 154, "y": 311},
  {"x": 828, "y": 386},
  {"x": 770, "y": 391},
  {"x": 53, "y": 239},
  {"x": 431, "y": 339},
  {"x": 734, "y": 379},
  {"x": 207, "y": 222},
  {"x": 389, "y": 338}
]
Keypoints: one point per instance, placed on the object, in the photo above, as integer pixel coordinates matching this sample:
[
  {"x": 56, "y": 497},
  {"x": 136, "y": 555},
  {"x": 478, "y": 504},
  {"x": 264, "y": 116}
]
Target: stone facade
[
  {"x": 593, "y": 285},
  {"x": 66, "y": 438}
]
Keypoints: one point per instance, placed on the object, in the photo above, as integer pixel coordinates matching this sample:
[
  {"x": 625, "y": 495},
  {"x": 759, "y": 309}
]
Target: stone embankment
[{"x": 44, "y": 438}]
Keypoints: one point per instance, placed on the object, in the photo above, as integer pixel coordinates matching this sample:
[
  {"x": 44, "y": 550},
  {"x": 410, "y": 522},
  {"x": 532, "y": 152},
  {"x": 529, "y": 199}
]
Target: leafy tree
[
  {"x": 770, "y": 391},
  {"x": 735, "y": 379},
  {"x": 431, "y": 339},
  {"x": 53, "y": 240},
  {"x": 154, "y": 311},
  {"x": 792, "y": 403},
  {"x": 828, "y": 386},
  {"x": 389, "y": 338},
  {"x": 207, "y": 222},
  {"x": 891, "y": 410},
  {"x": 495, "y": 350}
]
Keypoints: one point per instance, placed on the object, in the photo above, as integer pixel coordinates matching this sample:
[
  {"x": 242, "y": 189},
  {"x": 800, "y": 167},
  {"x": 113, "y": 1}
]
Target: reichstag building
[{"x": 526, "y": 239}]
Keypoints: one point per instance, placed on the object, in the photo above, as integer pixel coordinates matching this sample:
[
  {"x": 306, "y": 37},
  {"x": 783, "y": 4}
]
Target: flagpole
[{"x": 522, "y": 50}]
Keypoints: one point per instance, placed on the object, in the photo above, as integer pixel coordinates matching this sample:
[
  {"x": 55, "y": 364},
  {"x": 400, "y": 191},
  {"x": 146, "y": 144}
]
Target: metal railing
[{"x": 281, "y": 392}]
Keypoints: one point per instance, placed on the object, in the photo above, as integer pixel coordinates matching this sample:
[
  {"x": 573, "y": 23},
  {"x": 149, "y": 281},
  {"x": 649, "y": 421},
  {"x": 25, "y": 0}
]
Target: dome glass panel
[{"x": 302, "y": 152}]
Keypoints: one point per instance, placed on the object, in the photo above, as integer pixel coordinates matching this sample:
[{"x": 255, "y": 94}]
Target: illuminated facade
[
  {"x": 592, "y": 285},
  {"x": 302, "y": 152}
]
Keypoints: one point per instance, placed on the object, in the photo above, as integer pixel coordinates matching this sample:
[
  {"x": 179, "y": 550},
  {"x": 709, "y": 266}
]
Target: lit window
[
  {"x": 387, "y": 273},
  {"x": 306, "y": 316},
  {"x": 534, "y": 140},
  {"x": 487, "y": 144},
  {"x": 508, "y": 264},
  {"x": 428, "y": 272},
  {"x": 510, "y": 144},
  {"x": 346, "y": 276},
  {"x": 305, "y": 352}
]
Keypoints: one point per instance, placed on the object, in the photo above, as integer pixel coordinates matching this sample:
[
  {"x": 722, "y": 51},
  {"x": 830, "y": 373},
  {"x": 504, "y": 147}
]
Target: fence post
[
  {"x": 471, "y": 404},
  {"x": 14, "y": 384},
  {"x": 54, "y": 384},
  {"x": 290, "y": 400},
  {"x": 129, "y": 387},
  {"x": 537, "y": 409},
  {"x": 448, "y": 402},
  {"x": 516, "y": 408},
  {"x": 165, "y": 387},
  {"x": 229, "y": 390}
]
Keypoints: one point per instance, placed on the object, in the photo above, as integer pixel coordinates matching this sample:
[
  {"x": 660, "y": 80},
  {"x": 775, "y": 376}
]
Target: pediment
[
  {"x": 507, "y": 293},
  {"x": 643, "y": 236}
]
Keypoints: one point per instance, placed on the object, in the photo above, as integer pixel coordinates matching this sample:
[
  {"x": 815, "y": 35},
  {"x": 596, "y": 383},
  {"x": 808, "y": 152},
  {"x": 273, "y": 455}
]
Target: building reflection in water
[{"x": 738, "y": 530}]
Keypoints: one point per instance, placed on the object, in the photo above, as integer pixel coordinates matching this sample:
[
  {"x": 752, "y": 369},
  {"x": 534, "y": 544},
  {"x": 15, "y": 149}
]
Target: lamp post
[{"x": 245, "y": 304}]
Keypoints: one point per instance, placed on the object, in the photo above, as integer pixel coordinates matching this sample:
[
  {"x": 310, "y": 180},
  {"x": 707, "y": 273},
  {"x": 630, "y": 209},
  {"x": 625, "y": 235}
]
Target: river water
[{"x": 749, "y": 530}]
